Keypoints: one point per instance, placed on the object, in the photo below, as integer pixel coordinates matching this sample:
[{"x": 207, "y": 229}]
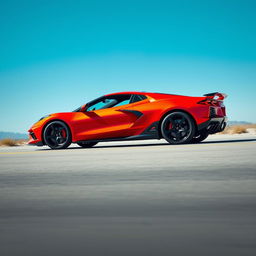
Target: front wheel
[
  {"x": 57, "y": 135},
  {"x": 85, "y": 144},
  {"x": 178, "y": 128}
]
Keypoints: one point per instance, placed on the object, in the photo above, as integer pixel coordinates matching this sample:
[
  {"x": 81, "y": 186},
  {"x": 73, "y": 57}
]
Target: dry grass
[
  {"x": 8, "y": 142},
  {"x": 238, "y": 129},
  {"x": 12, "y": 142}
]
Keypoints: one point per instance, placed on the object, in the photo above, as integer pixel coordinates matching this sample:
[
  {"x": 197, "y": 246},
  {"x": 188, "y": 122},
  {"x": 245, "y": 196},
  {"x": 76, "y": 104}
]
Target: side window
[
  {"x": 103, "y": 103},
  {"x": 124, "y": 102},
  {"x": 114, "y": 101},
  {"x": 122, "y": 99},
  {"x": 137, "y": 97}
]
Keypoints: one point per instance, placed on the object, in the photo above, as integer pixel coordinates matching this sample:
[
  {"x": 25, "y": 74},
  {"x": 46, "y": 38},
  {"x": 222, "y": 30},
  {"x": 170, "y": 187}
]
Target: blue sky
[{"x": 57, "y": 55}]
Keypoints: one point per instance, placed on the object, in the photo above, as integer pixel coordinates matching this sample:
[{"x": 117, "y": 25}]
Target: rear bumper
[{"x": 214, "y": 125}]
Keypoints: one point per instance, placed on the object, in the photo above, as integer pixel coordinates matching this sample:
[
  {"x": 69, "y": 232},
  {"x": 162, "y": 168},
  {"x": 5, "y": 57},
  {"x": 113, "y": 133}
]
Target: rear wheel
[
  {"x": 202, "y": 135},
  {"x": 178, "y": 128},
  {"x": 86, "y": 144},
  {"x": 57, "y": 135}
]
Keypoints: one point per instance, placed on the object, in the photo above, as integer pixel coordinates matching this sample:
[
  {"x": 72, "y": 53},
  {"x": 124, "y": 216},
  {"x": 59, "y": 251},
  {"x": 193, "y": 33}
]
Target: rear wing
[{"x": 216, "y": 96}]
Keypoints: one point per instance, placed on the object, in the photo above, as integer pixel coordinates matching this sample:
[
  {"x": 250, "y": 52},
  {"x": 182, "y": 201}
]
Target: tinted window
[
  {"x": 124, "y": 102},
  {"x": 104, "y": 103},
  {"x": 113, "y": 101},
  {"x": 109, "y": 102},
  {"x": 136, "y": 98}
]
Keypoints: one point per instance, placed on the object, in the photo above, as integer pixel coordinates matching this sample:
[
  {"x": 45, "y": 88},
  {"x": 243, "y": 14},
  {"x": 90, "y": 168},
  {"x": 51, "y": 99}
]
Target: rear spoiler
[{"x": 216, "y": 96}]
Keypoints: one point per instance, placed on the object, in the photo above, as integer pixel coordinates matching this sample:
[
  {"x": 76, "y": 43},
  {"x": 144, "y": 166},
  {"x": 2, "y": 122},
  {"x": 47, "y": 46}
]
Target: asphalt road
[{"x": 132, "y": 198}]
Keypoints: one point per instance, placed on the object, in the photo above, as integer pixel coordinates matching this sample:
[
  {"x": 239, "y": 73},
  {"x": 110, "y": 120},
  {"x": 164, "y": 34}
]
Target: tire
[
  {"x": 200, "y": 137},
  {"x": 57, "y": 135},
  {"x": 86, "y": 144},
  {"x": 178, "y": 128}
]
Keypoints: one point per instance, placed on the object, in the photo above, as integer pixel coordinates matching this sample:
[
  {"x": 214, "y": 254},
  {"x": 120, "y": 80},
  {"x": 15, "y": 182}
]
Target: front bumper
[
  {"x": 35, "y": 137},
  {"x": 214, "y": 125}
]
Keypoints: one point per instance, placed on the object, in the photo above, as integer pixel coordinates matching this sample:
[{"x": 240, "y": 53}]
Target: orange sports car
[{"x": 133, "y": 116}]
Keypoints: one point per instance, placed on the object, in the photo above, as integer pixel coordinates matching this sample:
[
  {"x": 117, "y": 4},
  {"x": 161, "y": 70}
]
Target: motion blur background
[{"x": 57, "y": 55}]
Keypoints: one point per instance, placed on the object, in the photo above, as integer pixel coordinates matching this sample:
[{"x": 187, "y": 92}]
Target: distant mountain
[
  {"x": 231, "y": 123},
  {"x": 13, "y": 135}
]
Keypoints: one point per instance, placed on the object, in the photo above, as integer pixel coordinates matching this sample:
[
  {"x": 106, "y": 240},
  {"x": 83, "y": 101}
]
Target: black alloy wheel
[
  {"x": 86, "y": 144},
  {"x": 202, "y": 135},
  {"x": 57, "y": 135},
  {"x": 178, "y": 128}
]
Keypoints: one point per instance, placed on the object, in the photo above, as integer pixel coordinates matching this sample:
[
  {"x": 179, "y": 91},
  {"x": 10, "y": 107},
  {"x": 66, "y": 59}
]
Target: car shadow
[
  {"x": 226, "y": 141},
  {"x": 154, "y": 144}
]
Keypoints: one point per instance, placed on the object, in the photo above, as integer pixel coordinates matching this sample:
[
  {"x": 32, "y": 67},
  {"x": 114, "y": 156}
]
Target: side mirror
[{"x": 84, "y": 108}]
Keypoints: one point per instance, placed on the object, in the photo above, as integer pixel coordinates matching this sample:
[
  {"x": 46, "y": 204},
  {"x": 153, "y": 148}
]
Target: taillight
[{"x": 210, "y": 102}]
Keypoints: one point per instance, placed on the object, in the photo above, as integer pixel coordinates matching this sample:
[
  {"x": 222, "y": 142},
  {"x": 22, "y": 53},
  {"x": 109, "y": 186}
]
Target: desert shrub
[
  {"x": 8, "y": 142},
  {"x": 238, "y": 129}
]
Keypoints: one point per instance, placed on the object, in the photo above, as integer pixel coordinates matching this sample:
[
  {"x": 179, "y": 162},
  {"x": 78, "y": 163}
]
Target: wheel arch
[
  {"x": 50, "y": 121},
  {"x": 171, "y": 111}
]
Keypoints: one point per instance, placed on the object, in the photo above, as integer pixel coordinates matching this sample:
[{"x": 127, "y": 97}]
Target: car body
[{"x": 130, "y": 116}]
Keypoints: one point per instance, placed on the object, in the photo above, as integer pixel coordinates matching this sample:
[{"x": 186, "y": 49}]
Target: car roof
[{"x": 152, "y": 94}]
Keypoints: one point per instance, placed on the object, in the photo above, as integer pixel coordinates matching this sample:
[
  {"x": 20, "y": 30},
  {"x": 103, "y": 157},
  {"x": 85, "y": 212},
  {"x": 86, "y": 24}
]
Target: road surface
[{"x": 130, "y": 198}]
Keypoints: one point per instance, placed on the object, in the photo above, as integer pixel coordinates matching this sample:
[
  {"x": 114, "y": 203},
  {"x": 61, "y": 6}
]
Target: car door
[{"x": 112, "y": 120}]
